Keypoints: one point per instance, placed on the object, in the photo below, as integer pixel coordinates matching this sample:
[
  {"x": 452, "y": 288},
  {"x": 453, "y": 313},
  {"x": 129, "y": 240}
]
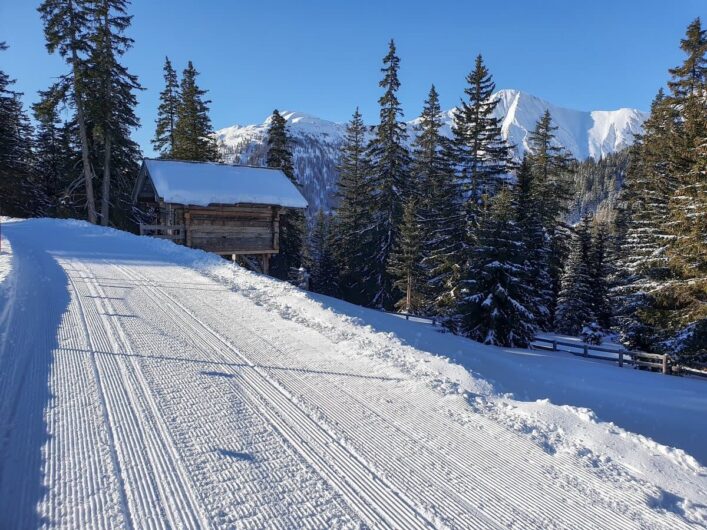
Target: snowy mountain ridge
[{"x": 317, "y": 141}]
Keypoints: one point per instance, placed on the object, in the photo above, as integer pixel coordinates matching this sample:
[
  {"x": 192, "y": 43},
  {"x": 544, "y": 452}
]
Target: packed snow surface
[
  {"x": 203, "y": 183},
  {"x": 146, "y": 385}
]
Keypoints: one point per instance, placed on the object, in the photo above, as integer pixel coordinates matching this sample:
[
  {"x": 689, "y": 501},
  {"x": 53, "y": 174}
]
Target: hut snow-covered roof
[{"x": 206, "y": 183}]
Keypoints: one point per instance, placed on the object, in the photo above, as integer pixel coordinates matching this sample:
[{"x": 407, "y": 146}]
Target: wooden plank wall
[{"x": 232, "y": 229}]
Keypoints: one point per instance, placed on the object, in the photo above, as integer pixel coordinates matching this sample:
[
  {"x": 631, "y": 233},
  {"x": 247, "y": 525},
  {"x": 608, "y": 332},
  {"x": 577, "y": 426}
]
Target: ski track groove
[
  {"x": 446, "y": 435},
  {"x": 319, "y": 522},
  {"x": 150, "y": 395},
  {"x": 451, "y": 436},
  {"x": 146, "y": 496},
  {"x": 84, "y": 429},
  {"x": 558, "y": 508},
  {"x": 180, "y": 493},
  {"x": 401, "y": 513}
]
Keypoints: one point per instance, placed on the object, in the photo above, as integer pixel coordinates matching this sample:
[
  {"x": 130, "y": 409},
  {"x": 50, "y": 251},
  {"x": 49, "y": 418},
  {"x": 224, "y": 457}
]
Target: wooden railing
[
  {"x": 173, "y": 232},
  {"x": 639, "y": 359}
]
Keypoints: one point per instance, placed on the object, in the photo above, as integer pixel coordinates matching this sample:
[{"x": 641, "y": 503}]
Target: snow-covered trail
[{"x": 136, "y": 392}]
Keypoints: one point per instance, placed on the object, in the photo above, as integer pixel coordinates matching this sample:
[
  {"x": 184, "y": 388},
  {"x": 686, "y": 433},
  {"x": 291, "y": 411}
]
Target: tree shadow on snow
[
  {"x": 39, "y": 298},
  {"x": 236, "y": 455}
]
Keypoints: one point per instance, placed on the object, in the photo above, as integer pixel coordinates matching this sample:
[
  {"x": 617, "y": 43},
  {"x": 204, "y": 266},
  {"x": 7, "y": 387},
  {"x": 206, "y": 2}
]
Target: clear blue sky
[{"x": 323, "y": 56}]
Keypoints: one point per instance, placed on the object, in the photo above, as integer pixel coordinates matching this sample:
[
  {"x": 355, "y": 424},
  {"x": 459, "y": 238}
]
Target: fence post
[
  {"x": 554, "y": 345},
  {"x": 586, "y": 350},
  {"x": 665, "y": 364},
  {"x": 621, "y": 359}
]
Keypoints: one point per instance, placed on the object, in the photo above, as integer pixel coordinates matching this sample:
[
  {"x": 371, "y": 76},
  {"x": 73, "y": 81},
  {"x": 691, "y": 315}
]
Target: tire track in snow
[{"x": 363, "y": 488}]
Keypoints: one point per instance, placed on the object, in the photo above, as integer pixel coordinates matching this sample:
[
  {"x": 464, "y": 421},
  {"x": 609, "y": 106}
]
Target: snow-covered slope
[
  {"x": 156, "y": 386},
  {"x": 317, "y": 141}
]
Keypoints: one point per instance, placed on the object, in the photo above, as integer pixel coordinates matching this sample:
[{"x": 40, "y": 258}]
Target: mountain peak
[{"x": 316, "y": 141}]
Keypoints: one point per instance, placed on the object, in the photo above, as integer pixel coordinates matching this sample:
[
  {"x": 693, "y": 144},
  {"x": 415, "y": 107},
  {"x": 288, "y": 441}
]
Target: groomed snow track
[{"x": 167, "y": 400}]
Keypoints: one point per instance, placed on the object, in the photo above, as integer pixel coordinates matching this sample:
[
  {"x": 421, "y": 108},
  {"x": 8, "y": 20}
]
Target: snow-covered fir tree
[
  {"x": 576, "y": 299},
  {"x": 440, "y": 209},
  {"x": 687, "y": 249},
  {"x": 537, "y": 245},
  {"x": 292, "y": 222},
  {"x": 551, "y": 168},
  {"x": 163, "y": 142},
  {"x": 494, "y": 305},
  {"x": 389, "y": 174},
  {"x": 643, "y": 231},
  {"x": 405, "y": 261},
  {"x": 482, "y": 153},
  {"x": 193, "y": 133},
  {"x": 599, "y": 270},
  {"x": 354, "y": 216}
]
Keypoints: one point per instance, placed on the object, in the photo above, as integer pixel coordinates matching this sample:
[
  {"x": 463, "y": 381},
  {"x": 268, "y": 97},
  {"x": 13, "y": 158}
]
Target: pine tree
[
  {"x": 440, "y": 210},
  {"x": 163, "y": 142},
  {"x": 390, "y": 162},
  {"x": 321, "y": 258},
  {"x": 354, "y": 220},
  {"x": 688, "y": 80},
  {"x": 111, "y": 106},
  {"x": 482, "y": 153},
  {"x": 66, "y": 28},
  {"x": 551, "y": 169},
  {"x": 645, "y": 238},
  {"x": 537, "y": 245},
  {"x": 279, "y": 148},
  {"x": 193, "y": 133},
  {"x": 684, "y": 299},
  {"x": 599, "y": 273},
  {"x": 18, "y": 193},
  {"x": 405, "y": 261},
  {"x": 575, "y": 301},
  {"x": 292, "y": 223},
  {"x": 494, "y": 302},
  {"x": 54, "y": 155},
  {"x": 551, "y": 166}
]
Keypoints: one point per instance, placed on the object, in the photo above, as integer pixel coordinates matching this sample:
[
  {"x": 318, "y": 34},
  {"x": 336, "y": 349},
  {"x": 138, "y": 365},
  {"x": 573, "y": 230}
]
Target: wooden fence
[
  {"x": 173, "y": 232},
  {"x": 638, "y": 359},
  {"x": 652, "y": 361}
]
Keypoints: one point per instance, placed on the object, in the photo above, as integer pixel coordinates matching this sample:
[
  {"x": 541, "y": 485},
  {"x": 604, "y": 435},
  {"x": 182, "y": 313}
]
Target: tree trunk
[
  {"x": 105, "y": 190},
  {"x": 87, "y": 168},
  {"x": 408, "y": 294}
]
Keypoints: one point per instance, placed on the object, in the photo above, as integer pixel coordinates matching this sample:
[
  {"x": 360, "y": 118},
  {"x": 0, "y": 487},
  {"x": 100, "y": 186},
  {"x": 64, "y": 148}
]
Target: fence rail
[
  {"x": 638, "y": 359},
  {"x": 656, "y": 361},
  {"x": 173, "y": 232}
]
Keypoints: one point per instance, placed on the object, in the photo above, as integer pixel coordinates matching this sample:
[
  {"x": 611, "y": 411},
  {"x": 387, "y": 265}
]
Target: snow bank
[
  {"x": 632, "y": 460},
  {"x": 5, "y": 256},
  {"x": 5, "y": 283}
]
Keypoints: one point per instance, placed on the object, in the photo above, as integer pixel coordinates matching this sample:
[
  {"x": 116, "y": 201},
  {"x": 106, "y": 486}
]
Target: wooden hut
[{"x": 226, "y": 209}]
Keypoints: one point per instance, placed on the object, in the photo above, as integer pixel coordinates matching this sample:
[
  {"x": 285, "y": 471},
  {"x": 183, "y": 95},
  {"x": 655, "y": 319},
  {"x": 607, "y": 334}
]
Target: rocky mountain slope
[{"x": 317, "y": 141}]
